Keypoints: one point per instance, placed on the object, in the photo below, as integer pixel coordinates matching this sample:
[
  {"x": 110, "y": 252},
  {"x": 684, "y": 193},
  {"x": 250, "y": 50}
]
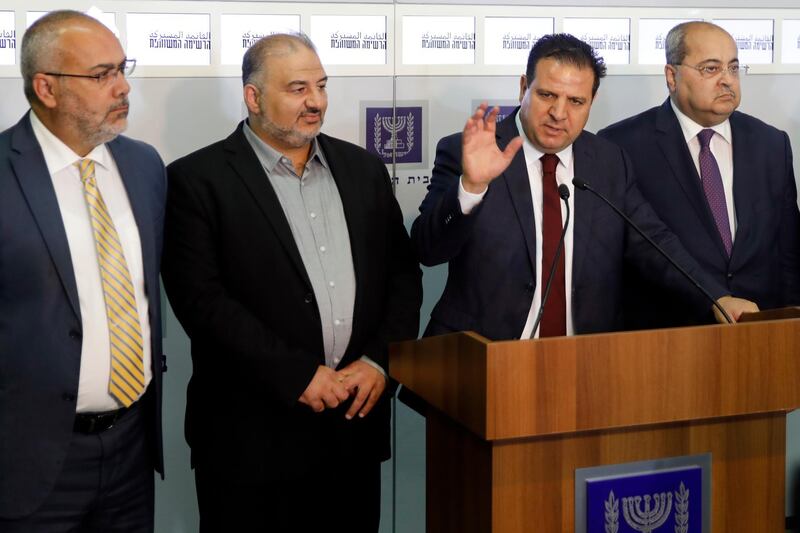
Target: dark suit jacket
[
  {"x": 237, "y": 283},
  {"x": 764, "y": 265},
  {"x": 491, "y": 252},
  {"x": 40, "y": 319}
]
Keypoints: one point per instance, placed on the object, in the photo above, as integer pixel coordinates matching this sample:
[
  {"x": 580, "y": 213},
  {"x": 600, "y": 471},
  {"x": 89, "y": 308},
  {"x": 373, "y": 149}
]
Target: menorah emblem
[
  {"x": 646, "y": 520},
  {"x": 394, "y": 125}
]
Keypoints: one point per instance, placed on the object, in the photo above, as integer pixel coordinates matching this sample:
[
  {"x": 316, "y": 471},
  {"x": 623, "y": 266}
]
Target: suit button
[
  {"x": 67, "y": 397},
  {"x": 730, "y": 275},
  {"x": 309, "y": 298},
  {"x": 74, "y": 334},
  {"x": 530, "y": 287}
]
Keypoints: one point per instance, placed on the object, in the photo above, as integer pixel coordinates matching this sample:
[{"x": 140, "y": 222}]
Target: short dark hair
[
  {"x": 566, "y": 48},
  {"x": 253, "y": 62}
]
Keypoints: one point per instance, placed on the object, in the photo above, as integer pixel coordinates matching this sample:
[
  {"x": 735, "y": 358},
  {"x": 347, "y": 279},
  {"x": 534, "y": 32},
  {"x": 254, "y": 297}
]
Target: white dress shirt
[
  {"x": 721, "y": 146},
  {"x": 93, "y": 393},
  {"x": 565, "y": 171}
]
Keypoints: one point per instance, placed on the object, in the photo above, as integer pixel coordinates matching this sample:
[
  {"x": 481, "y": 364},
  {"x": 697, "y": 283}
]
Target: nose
[
  {"x": 558, "y": 109},
  {"x": 316, "y": 98},
  {"x": 121, "y": 85}
]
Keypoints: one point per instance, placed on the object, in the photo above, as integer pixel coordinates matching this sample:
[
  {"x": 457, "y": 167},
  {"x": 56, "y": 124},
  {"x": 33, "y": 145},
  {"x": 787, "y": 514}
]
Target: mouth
[
  {"x": 552, "y": 130},
  {"x": 726, "y": 96}
]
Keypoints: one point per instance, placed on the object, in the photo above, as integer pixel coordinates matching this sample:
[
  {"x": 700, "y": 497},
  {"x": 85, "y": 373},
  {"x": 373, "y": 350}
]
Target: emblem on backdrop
[{"x": 396, "y": 134}]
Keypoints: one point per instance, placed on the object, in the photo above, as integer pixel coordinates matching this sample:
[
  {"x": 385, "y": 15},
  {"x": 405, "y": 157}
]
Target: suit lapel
[
  {"x": 584, "y": 206},
  {"x": 744, "y": 191},
  {"x": 34, "y": 179},
  {"x": 673, "y": 145},
  {"x": 519, "y": 186},
  {"x": 247, "y": 167}
]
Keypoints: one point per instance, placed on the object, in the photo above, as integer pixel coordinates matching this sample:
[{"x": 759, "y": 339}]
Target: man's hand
[
  {"x": 734, "y": 307},
  {"x": 366, "y": 382},
  {"x": 481, "y": 160},
  {"x": 325, "y": 390}
]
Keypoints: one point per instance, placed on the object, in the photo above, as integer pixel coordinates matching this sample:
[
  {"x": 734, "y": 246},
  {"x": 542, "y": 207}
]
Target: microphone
[
  {"x": 582, "y": 185},
  {"x": 563, "y": 192}
]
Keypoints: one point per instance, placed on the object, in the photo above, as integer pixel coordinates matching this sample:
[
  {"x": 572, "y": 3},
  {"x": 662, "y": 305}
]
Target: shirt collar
[
  {"x": 691, "y": 128},
  {"x": 270, "y": 157},
  {"x": 57, "y": 155},
  {"x": 533, "y": 154}
]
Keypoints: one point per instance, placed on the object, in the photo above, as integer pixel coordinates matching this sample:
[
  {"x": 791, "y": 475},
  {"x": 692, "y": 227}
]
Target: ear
[
  {"x": 251, "y": 93},
  {"x": 523, "y": 86},
  {"x": 45, "y": 89},
  {"x": 669, "y": 75}
]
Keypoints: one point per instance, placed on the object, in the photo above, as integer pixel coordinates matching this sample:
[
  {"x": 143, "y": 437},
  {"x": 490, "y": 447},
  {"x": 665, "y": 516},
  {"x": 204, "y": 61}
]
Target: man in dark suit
[
  {"x": 287, "y": 263},
  {"x": 493, "y": 213},
  {"x": 81, "y": 213},
  {"x": 721, "y": 180}
]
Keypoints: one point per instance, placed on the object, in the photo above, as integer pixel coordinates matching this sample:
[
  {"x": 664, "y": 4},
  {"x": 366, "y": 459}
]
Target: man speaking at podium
[{"x": 493, "y": 213}]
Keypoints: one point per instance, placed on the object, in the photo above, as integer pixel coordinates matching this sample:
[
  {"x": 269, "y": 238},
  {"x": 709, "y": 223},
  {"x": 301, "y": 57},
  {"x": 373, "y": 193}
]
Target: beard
[
  {"x": 287, "y": 135},
  {"x": 96, "y": 128}
]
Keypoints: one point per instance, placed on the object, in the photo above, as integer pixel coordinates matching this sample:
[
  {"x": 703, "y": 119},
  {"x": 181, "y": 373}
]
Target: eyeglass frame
[
  {"x": 706, "y": 76},
  {"x": 103, "y": 76}
]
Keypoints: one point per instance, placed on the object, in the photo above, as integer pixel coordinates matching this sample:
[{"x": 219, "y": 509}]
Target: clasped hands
[{"x": 329, "y": 388}]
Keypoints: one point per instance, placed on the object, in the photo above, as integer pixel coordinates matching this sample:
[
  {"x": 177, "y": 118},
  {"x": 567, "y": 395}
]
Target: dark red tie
[{"x": 554, "y": 318}]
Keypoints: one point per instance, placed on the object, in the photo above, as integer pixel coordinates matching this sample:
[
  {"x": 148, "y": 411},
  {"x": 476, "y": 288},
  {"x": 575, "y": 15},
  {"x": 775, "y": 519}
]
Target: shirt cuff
[
  {"x": 469, "y": 200},
  {"x": 372, "y": 363}
]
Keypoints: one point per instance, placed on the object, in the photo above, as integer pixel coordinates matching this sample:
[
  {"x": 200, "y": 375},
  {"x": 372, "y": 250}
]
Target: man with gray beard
[
  {"x": 81, "y": 212},
  {"x": 286, "y": 261}
]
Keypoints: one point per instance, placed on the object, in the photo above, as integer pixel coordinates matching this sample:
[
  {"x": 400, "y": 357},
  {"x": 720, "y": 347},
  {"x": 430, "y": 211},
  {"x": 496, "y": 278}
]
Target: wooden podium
[{"x": 508, "y": 422}]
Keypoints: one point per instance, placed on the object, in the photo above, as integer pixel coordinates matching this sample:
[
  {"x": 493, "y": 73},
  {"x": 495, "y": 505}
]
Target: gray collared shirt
[{"x": 313, "y": 208}]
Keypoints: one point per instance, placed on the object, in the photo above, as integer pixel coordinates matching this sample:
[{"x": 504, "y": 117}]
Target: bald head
[
  {"x": 254, "y": 63},
  {"x": 42, "y": 48},
  {"x": 679, "y": 39}
]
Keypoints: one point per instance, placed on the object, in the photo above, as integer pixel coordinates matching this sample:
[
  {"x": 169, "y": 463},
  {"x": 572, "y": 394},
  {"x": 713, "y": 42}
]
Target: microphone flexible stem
[{"x": 580, "y": 184}]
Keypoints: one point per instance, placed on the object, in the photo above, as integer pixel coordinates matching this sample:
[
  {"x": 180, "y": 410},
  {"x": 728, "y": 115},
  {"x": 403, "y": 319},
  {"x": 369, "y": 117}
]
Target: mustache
[{"x": 122, "y": 103}]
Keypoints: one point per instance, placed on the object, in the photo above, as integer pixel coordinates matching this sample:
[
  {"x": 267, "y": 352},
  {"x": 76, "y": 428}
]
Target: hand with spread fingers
[
  {"x": 326, "y": 390},
  {"x": 365, "y": 382},
  {"x": 482, "y": 160}
]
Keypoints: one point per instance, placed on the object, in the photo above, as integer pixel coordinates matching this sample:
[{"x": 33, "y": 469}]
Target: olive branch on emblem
[
  {"x": 682, "y": 510},
  {"x": 612, "y": 514}
]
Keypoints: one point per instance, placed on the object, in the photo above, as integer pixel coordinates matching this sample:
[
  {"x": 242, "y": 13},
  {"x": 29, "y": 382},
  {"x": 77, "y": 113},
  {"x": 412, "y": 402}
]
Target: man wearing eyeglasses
[
  {"x": 721, "y": 180},
  {"x": 81, "y": 212}
]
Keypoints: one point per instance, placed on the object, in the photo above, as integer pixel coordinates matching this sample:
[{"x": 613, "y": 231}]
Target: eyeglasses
[
  {"x": 712, "y": 70},
  {"x": 105, "y": 77}
]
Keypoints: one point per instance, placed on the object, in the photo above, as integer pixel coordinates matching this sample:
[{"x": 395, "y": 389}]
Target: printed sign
[
  {"x": 240, "y": 32},
  {"x": 754, "y": 39},
  {"x": 169, "y": 39},
  {"x": 611, "y": 38},
  {"x": 653, "y": 38},
  {"x": 8, "y": 38},
  {"x": 509, "y": 40},
  {"x": 438, "y": 40},
  {"x": 350, "y": 40},
  {"x": 791, "y": 41}
]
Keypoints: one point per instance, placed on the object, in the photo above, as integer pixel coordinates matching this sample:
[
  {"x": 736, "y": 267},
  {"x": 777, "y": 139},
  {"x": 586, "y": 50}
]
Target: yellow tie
[{"x": 126, "y": 383}]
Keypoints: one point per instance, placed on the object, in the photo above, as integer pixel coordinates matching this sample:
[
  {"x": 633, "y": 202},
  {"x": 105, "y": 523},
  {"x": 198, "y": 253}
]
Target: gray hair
[
  {"x": 254, "y": 61},
  {"x": 675, "y": 46},
  {"x": 39, "y": 46}
]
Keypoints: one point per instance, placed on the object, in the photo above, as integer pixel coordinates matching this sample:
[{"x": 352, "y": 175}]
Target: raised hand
[{"x": 482, "y": 161}]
